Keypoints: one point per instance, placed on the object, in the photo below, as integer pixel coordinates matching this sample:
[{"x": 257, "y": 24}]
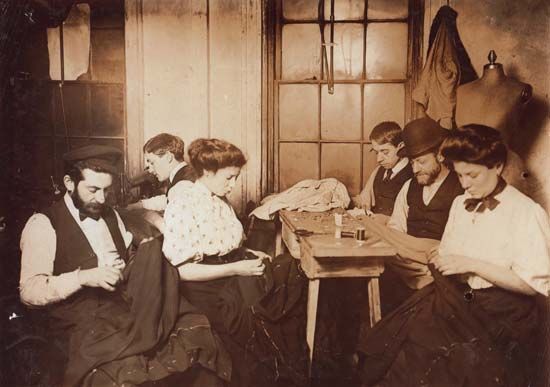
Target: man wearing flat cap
[
  {"x": 109, "y": 304},
  {"x": 422, "y": 206}
]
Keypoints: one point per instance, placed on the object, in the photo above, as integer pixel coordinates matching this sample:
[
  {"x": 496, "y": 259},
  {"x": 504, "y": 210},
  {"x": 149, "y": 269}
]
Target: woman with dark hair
[
  {"x": 257, "y": 307},
  {"x": 475, "y": 325}
]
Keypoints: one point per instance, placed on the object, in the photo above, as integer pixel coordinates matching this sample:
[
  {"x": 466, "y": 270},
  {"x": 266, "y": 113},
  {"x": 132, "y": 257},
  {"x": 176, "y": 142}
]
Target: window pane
[
  {"x": 345, "y": 10},
  {"x": 40, "y": 163},
  {"x": 388, "y": 9},
  {"x": 74, "y": 104},
  {"x": 341, "y": 113},
  {"x": 299, "y": 112},
  {"x": 369, "y": 163},
  {"x": 348, "y": 50},
  {"x": 297, "y": 162},
  {"x": 383, "y": 102},
  {"x": 301, "y": 52},
  {"x": 387, "y": 50},
  {"x": 300, "y": 9},
  {"x": 343, "y": 162},
  {"x": 107, "y": 110},
  {"x": 108, "y": 55}
]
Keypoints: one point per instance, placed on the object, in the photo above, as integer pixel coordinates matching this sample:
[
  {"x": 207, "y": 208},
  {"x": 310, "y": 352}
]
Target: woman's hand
[
  {"x": 453, "y": 264},
  {"x": 260, "y": 254},
  {"x": 249, "y": 267}
]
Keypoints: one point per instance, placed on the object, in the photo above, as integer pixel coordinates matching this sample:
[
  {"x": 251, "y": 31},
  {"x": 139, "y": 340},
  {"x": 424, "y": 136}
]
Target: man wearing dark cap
[
  {"x": 106, "y": 306},
  {"x": 422, "y": 206}
]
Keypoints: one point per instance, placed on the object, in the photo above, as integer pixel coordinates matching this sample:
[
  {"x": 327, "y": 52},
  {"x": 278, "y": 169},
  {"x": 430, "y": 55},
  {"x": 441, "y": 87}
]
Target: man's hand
[
  {"x": 105, "y": 277},
  {"x": 260, "y": 254},
  {"x": 249, "y": 267},
  {"x": 453, "y": 264}
]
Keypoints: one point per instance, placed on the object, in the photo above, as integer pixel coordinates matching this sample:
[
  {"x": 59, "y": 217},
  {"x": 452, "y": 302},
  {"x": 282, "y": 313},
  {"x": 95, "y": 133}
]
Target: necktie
[
  {"x": 388, "y": 174},
  {"x": 488, "y": 201},
  {"x": 83, "y": 216}
]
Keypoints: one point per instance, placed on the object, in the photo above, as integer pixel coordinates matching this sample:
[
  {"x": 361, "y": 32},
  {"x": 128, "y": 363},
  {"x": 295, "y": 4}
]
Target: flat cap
[
  {"x": 421, "y": 136},
  {"x": 104, "y": 156}
]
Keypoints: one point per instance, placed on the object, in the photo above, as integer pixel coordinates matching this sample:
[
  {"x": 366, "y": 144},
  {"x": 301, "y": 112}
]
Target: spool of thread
[
  {"x": 338, "y": 233},
  {"x": 338, "y": 220},
  {"x": 360, "y": 234}
]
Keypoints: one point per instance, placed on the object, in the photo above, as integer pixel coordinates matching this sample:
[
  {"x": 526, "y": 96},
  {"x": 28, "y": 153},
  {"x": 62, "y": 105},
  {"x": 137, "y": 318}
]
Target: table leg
[
  {"x": 312, "y": 301},
  {"x": 278, "y": 242},
  {"x": 374, "y": 301}
]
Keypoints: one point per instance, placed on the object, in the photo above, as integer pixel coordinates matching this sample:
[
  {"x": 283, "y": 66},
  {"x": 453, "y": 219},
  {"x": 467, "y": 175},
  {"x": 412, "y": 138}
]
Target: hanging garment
[
  {"x": 447, "y": 66},
  {"x": 307, "y": 195}
]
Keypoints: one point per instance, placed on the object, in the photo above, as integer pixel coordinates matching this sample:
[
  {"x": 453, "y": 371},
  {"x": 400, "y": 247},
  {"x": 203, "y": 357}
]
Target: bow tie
[
  {"x": 83, "y": 216},
  {"x": 488, "y": 201}
]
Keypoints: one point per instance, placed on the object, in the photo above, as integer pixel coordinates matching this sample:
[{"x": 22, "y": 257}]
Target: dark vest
[
  {"x": 73, "y": 251},
  {"x": 385, "y": 192},
  {"x": 185, "y": 173},
  {"x": 429, "y": 221}
]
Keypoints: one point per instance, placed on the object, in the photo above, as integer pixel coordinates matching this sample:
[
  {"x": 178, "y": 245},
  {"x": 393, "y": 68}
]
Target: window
[{"x": 312, "y": 133}]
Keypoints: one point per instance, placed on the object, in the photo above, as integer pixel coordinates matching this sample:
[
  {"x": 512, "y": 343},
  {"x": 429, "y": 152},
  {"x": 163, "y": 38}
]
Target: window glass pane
[
  {"x": 74, "y": 103},
  {"x": 341, "y": 113},
  {"x": 299, "y": 112},
  {"x": 383, "y": 102},
  {"x": 297, "y": 162},
  {"x": 107, "y": 110},
  {"x": 40, "y": 164},
  {"x": 369, "y": 163},
  {"x": 301, "y": 51},
  {"x": 346, "y": 9},
  {"x": 343, "y": 162},
  {"x": 300, "y": 9},
  {"x": 108, "y": 55},
  {"x": 387, "y": 50},
  {"x": 348, "y": 50},
  {"x": 388, "y": 9}
]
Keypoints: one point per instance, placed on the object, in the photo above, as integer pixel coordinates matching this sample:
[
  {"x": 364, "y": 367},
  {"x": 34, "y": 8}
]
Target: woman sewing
[
  {"x": 476, "y": 324},
  {"x": 256, "y": 306}
]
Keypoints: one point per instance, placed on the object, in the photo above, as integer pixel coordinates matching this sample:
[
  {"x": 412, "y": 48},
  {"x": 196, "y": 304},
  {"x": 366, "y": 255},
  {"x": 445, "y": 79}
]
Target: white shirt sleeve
[
  {"x": 366, "y": 197},
  {"x": 156, "y": 203},
  {"x": 38, "y": 286},
  {"x": 398, "y": 219},
  {"x": 531, "y": 258}
]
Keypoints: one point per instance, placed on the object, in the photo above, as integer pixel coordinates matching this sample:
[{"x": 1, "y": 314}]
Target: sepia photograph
[{"x": 274, "y": 193}]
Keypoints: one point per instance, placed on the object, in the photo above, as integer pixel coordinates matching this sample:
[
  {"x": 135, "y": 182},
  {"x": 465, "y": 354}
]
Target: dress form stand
[{"x": 497, "y": 101}]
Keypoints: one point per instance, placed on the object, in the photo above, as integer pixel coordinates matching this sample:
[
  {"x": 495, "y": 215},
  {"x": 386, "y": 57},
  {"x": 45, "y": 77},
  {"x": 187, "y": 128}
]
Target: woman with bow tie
[{"x": 476, "y": 324}]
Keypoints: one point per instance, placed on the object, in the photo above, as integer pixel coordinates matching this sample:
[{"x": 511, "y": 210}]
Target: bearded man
[
  {"x": 114, "y": 313},
  {"x": 422, "y": 206}
]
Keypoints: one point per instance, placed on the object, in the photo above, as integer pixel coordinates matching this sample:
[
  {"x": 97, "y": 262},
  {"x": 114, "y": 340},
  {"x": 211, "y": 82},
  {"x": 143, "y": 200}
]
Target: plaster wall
[{"x": 519, "y": 32}]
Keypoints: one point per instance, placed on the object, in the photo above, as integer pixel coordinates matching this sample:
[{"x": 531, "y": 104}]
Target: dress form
[
  {"x": 493, "y": 100},
  {"x": 497, "y": 101}
]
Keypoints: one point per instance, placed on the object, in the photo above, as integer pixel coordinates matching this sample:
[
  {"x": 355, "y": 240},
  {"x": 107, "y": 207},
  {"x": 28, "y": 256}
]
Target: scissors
[{"x": 303, "y": 232}]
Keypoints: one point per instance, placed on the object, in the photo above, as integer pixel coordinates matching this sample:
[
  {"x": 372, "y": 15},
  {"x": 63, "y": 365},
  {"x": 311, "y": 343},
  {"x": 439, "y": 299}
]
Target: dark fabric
[
  {"x": 487, "y": 202},
  {"x": 261, "y": 320},
  {"x": 428, "y": 221},
  {"x": 73, "y": 250},
  {"x": 385, "y": 191},
  {"x": 142, "y": 331},
  {"x": 438, "y": 338},
  {"x": 185, "y": 173},
  {"x": 448, "y": 16}
]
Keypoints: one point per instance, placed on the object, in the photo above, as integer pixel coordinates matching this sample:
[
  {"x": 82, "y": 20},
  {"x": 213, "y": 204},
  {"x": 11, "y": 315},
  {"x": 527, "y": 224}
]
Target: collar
[
  {"x": 487, "y": 202},
  {"x": 176, "y": 170},
  {"x": 401, "y": 164},
  {"x": 203, "y": 188}
]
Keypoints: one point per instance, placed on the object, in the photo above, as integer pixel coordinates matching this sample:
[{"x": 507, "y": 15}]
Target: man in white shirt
[
  {"x": 75, "y": 258},
  {"x": 422, "y": 206}
]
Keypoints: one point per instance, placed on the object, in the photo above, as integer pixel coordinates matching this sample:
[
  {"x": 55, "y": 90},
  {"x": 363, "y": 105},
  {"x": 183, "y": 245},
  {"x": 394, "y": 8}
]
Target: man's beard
[
  {"x": 428, "y": 178},
  {"x": 90, "y": 209}
]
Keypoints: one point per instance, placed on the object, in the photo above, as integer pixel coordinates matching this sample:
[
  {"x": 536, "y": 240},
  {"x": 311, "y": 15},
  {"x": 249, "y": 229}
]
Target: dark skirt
[
  {"x": 450, "y": 335},
  {"x": 260, "y": 319}
]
